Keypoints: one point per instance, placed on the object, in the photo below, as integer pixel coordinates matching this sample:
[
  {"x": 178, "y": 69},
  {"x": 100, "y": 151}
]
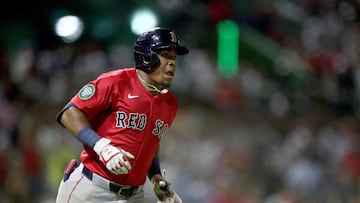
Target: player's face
[{"x": 163, "y": 75}]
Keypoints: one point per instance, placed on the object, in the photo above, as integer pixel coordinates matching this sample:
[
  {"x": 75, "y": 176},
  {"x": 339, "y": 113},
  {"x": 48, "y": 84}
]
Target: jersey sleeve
[{"x": 93, "y": 97}]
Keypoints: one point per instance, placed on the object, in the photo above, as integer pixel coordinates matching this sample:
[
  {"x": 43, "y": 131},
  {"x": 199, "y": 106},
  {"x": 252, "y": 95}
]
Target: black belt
[{"x": 120, "y": 190}]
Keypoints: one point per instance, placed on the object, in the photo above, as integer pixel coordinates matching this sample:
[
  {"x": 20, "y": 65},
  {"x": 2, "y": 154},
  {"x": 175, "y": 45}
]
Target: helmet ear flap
[
  {"x": 146, "y": 59},
  {"x": 147, "y": 63}
]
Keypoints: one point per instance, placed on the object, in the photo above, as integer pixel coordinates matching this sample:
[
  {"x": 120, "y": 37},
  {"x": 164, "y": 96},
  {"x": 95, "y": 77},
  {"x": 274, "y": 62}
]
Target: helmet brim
[{"x": 181, "y": 50}]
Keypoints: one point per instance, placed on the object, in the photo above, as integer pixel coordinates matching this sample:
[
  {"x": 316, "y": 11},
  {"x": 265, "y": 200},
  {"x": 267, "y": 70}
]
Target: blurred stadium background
[{"x": 276, "y": 122}]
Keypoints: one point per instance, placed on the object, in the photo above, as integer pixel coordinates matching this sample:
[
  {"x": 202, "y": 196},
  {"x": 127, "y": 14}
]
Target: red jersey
[{"x": 121, "y": 109}]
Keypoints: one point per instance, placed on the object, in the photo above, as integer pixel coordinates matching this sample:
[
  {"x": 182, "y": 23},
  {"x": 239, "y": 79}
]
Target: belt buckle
[{"x": 125, "y": 191}]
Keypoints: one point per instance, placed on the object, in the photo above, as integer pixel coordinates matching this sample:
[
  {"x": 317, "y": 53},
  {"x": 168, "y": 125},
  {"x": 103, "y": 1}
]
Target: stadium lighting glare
[
  {"x": 142, "y": 20},
  {"x": 69, "y": 28}
]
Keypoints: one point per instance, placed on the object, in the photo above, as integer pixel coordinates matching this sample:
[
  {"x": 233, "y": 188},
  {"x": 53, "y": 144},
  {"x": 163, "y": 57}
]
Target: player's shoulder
[{"x": 118, "y": 74}]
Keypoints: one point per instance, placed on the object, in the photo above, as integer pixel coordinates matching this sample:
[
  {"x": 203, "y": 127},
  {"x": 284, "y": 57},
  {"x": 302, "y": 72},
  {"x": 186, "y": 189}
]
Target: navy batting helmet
[{"x": 155, "y": 39}]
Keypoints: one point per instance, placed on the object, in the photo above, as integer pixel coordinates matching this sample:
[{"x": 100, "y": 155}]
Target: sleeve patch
[{"x": 86, "y": 92}]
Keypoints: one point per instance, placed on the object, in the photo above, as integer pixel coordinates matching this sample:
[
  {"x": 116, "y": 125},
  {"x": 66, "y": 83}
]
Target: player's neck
[{"x": 152, "y": 88}]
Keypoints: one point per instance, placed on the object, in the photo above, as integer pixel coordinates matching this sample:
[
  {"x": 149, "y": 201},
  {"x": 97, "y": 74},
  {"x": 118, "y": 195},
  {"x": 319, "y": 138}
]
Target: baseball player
[{"x": 120, "y": 117}]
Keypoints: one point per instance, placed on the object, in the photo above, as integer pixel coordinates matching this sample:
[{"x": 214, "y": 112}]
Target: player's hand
[
  {"x": 174, "y": 198},
  {"x": 164, "y": 193},
  {"x": 116, "y": 160}
]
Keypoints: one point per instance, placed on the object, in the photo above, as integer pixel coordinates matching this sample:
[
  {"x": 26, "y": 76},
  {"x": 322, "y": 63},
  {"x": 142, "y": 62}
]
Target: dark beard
[{"x": 164, "y": 86}]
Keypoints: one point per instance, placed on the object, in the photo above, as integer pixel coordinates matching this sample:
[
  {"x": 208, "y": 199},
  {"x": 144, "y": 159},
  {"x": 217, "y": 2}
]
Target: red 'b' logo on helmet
[{"x": 173, "y": 37}]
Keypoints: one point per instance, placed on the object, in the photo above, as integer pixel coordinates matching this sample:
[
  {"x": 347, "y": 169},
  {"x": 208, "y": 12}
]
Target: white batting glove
[{"x": 115, "y": 159}]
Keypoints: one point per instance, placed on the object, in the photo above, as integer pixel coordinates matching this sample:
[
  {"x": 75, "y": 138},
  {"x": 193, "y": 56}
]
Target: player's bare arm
[{"x": 74, "y": 120}]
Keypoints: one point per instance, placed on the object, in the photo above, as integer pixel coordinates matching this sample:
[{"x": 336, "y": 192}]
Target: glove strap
[{"x": 100, "y": 145}]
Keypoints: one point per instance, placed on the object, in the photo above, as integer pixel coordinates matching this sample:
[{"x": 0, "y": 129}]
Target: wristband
[
  {"x": 154, "y": 168},
  {"x": 88, "y": 136}
]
